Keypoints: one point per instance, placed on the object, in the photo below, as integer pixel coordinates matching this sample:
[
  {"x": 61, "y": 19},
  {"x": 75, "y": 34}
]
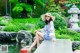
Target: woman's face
[{"x": 47, "y": 17}]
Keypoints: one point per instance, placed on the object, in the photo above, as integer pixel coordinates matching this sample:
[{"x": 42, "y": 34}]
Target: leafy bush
[
  {"x": 39, "y": 2},
  {"x": 66, "y": 31},
  {"x": 59, "y": 21},
  {"x": 63, "y": 36},
  {"x": 67, "y": 34},
  {"x": 15, "y": 27},
  {"x": 22, "y": 24},
  {"x": 19, "y": 7},
  {"x": 1, "y": 18},
  {"x": 11, "y": 27},
  {"x": 40, "y": 24},
  {"x": 25, "y": 7}
]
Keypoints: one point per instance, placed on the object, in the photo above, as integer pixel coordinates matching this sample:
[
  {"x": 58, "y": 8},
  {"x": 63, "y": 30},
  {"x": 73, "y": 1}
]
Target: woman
[{"x": 47, "y": 33}]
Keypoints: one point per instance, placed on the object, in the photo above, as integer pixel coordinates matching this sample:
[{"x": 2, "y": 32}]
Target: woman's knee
[{"x": 37, "y": 32}]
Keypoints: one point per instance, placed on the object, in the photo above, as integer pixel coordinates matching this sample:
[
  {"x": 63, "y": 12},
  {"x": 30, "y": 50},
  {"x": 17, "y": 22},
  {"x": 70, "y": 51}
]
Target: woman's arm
[{"x": 52, "y": 30}]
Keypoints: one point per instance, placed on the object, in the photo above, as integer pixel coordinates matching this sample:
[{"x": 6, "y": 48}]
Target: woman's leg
[
  {"x": 33, "y": 44},
  {"x": 39, "y": 36}
]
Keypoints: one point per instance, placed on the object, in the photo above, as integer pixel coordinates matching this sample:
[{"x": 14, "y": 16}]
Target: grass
[{"x": 26, "y": 20}]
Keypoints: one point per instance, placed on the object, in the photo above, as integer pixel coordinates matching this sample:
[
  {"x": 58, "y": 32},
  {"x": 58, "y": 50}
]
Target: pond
[{"x": 13, "y": 47}]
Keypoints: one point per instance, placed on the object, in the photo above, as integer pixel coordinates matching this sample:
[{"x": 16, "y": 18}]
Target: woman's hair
[{"x": 48, "y": 21}]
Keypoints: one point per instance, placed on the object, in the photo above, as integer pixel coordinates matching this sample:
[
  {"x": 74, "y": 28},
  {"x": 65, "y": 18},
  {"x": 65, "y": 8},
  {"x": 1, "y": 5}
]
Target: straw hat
[{"x": 47, "y": 14}]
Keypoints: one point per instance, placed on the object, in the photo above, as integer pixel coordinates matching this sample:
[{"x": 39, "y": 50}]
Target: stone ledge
[{"x": 77, "y": 51}]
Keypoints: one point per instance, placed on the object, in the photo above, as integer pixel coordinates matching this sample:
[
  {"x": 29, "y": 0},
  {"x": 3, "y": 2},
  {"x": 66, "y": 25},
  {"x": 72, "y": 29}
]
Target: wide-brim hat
[{"x": 47, "y": 14}]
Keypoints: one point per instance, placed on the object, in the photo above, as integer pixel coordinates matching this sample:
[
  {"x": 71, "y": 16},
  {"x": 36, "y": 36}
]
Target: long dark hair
[{"x": 48, "y": 21}]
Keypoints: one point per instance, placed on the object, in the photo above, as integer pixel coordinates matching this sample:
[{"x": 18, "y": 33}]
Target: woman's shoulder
[{"x": 51, "y": 22}]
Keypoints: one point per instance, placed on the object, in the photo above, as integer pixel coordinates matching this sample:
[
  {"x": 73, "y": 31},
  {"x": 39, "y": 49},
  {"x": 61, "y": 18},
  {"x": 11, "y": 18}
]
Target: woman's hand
[{"x": 36, "y": 31}]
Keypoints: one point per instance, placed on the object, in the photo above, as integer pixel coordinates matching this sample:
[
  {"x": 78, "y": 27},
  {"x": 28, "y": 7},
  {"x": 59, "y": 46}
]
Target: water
[{"x": 13, "y": 47}]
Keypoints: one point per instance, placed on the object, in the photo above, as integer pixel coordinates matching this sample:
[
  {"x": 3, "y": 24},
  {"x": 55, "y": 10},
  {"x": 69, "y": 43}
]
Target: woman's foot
[
  {"x": 29, "y": 50},
  {"x": 54, "y": 40}
]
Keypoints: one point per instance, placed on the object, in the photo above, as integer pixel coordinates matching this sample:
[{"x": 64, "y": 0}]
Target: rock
[
  {"x": 30, "y": 26},
  {"x": 13, "y": 35},
  {"x": 20, "y": 37},
  {"x": 24, "y": 37},
  {"x": 4, "y": 21},
  {"x": 2, "y": 27},
  {"x": 7, "y": 17},
  {"x": 75, "y": 45},
  {"x": 8, "y": 36}
]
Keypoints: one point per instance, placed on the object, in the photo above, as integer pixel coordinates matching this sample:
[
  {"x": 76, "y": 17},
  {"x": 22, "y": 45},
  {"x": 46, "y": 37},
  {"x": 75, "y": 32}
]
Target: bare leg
[
  {"x": 36, "y": 41},
  {"x": 37, "y": 38}
]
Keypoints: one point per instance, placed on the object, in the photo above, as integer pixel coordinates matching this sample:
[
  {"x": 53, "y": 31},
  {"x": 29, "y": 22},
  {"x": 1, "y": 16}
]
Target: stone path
[{"x": 60, "y": 46}]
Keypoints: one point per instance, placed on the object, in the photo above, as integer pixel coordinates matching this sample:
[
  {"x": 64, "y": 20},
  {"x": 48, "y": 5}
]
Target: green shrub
[
  {"x": 11, "y": 27},
  {"x": 1, "y": 18},
  {"x": 59, "y": 21},
  {"x": 40, "y": 24},
  {"x": 17, "y": 9},
  {"x": 63, "y": 36},
  {"x": 67, "y": 34},
  {"x": 40, "y": 2},
  {"x": 66, "y": 31},
  {"x": 76, "y": 37},
  {"x": 21, "y": 26}
]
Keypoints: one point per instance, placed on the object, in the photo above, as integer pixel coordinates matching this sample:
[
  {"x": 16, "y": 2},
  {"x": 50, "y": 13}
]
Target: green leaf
[
  {"x": 40, "y": 2},
  {"x": 17, "y": 9}
]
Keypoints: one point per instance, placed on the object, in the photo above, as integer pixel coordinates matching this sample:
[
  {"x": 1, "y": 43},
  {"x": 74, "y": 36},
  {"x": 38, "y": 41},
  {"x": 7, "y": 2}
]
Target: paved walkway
[{"x": 60, "y": 46}]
